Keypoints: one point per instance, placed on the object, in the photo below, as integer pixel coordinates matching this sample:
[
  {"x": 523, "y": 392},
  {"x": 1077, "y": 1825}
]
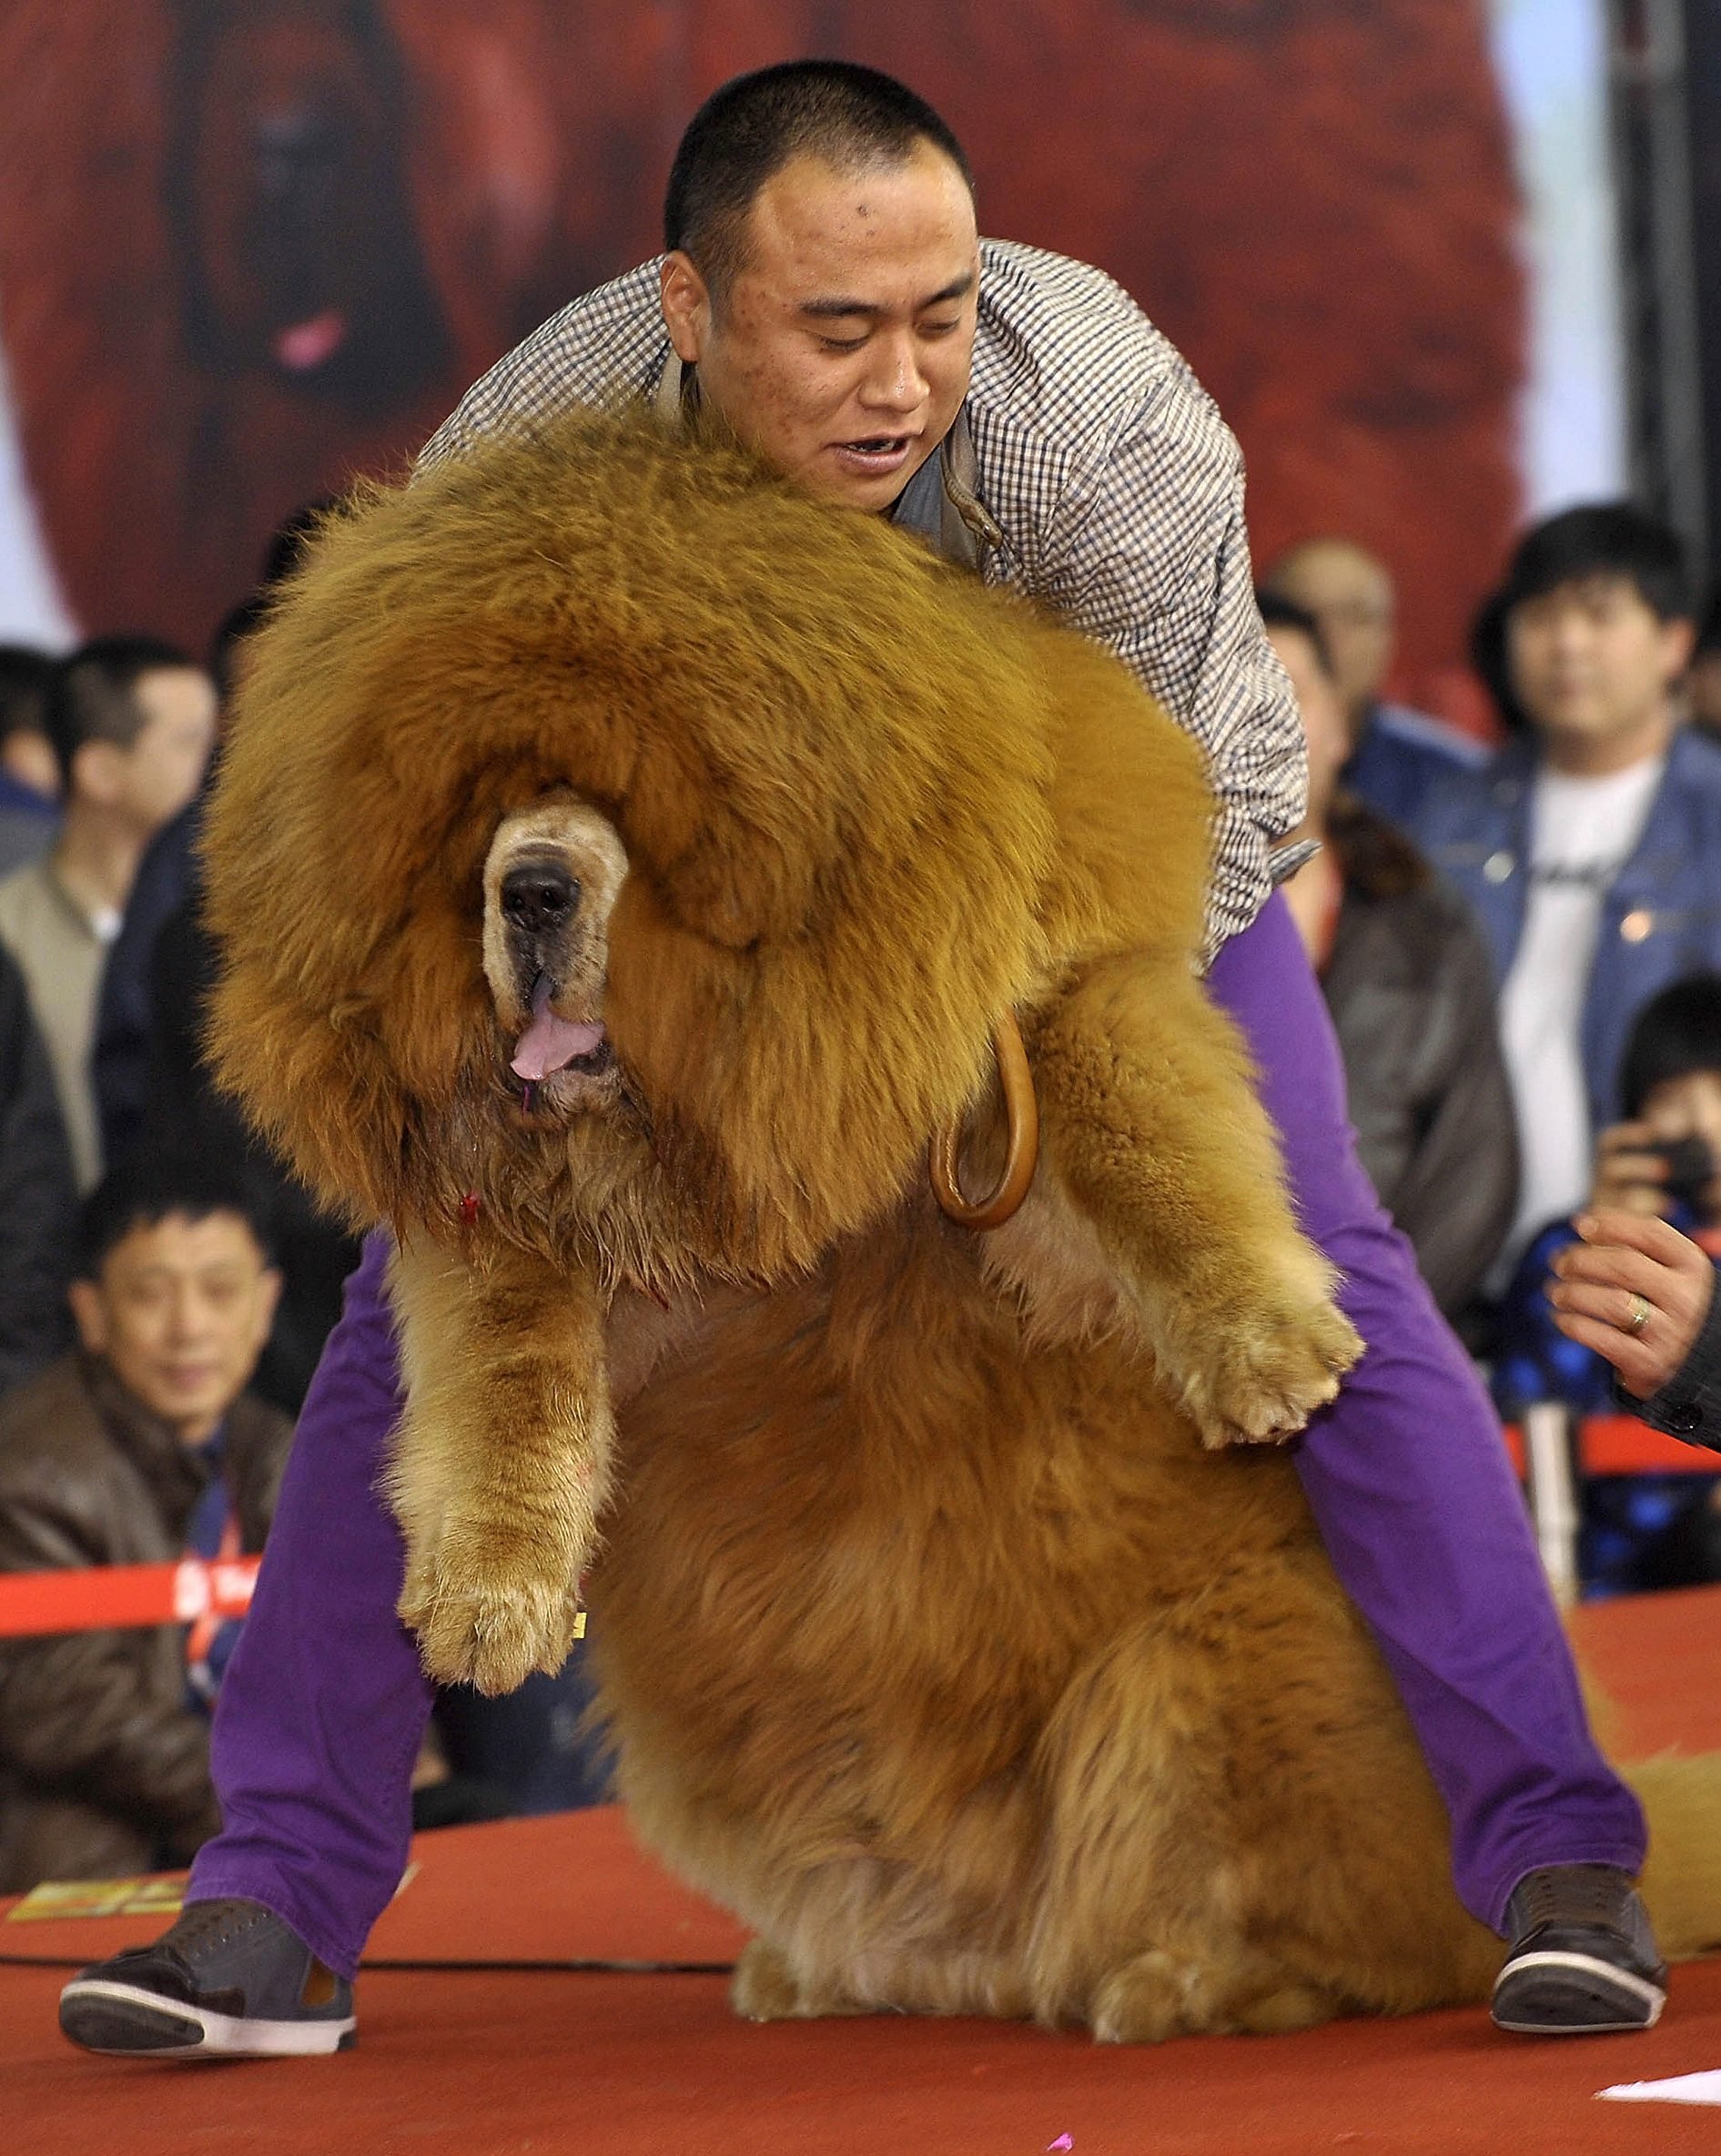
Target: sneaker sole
[
  {"x": 125, "y": 2021},
  {"x": 1565, "y": 1994}
]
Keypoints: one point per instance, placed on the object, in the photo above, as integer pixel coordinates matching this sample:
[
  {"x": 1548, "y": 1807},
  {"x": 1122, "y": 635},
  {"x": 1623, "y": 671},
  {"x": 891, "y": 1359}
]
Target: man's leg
[
  {"x": 324, "y": 1705},
  {"x": 1410, "y": 1487}
]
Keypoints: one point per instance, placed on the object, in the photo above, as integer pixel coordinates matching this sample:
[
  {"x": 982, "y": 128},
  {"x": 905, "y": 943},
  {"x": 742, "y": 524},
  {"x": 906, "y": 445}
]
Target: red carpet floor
[{"x": 476, "y": 2063}]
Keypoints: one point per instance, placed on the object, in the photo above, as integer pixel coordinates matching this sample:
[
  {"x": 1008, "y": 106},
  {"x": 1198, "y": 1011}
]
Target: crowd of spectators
[
  {"x": 1520, "y": 945},
  {"x": 1541, "y": 930}
]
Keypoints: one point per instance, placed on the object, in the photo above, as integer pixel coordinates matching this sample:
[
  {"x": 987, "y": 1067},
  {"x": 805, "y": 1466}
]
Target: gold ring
[{"x": 1641, "y": 1314}]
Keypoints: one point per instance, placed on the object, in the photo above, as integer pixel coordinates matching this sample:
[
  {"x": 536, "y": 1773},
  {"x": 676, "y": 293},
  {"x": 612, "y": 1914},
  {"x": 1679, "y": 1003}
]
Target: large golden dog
[{"x": 625, "y": 866}]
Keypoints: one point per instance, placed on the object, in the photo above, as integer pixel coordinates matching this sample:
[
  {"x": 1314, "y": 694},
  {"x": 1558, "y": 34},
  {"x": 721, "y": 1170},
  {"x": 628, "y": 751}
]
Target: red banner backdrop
[{"x": 248, "y": 248}]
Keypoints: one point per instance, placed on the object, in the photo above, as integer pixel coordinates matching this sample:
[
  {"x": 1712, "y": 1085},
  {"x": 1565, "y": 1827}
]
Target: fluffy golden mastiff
[{"x": 625, "y": 866}]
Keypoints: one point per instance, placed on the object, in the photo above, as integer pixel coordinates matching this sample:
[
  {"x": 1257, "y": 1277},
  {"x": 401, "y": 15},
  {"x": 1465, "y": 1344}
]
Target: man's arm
[{"x": 1149, "y": 554}]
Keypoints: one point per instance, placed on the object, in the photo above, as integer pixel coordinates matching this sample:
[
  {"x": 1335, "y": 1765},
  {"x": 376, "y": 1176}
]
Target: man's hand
[
  {"x": 1631, "y": 1173},
  {"x": 1629, "y": 1263}
]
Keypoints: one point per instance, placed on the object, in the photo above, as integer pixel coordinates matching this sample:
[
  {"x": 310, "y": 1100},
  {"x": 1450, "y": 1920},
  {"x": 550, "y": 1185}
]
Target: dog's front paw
[
  {"x": 1268, "y": 1360},
  {"x": 490, "y": 1605}
]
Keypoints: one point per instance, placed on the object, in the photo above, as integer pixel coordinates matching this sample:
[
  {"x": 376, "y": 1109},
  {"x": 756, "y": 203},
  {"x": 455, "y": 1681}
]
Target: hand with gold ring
[{"x": 1636, "y": 1291}]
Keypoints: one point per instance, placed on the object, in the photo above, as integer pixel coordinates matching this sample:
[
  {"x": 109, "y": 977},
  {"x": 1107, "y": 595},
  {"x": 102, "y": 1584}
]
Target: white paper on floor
[{"x": 1683, "y": 2089}]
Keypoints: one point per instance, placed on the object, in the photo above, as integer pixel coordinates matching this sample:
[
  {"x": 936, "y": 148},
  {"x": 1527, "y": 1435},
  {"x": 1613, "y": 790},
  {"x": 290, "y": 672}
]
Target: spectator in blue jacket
[{"x": 1591, "y": 848}]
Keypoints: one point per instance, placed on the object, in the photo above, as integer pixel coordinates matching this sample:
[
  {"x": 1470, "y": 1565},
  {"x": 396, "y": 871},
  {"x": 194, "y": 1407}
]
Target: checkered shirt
[{"x": 1115, "y": 486}]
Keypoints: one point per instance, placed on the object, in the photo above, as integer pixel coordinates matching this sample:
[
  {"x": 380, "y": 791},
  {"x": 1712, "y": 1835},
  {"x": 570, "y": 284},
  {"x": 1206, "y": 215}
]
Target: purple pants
[{"x": 324, "y": 1703}]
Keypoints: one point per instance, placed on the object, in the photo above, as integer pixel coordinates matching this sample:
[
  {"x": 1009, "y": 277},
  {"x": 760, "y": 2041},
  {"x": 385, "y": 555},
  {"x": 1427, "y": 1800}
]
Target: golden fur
[{"x": 936, "y": 1635}]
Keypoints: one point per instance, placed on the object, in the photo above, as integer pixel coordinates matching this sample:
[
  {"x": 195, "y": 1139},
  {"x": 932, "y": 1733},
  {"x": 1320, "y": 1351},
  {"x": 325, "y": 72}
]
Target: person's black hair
[
  {"x": 751, "y": 127},
  {"x": 1277, "y": 612},
  {"x": 146, "y": 1191},
  {"x": 1676, "y": 1032},
  {"x": 91, "y": 697},
  {"x": 1489, "y": 660},
  {"x": 1613, "y": 539},
  {"x": 282, "y": 557},
  {"x": 26, "y": 677},
  {"x": 1709, "y": 624}
]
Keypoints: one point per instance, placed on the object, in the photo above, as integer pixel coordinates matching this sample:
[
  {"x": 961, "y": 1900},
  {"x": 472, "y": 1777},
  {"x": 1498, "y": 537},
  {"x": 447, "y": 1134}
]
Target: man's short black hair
[
  {"x": 1277, "y": 612},
  {"x": 146, "y": 1191},
  {"x": 93, "y": 699},
  {"x": 27, "y": 676},
  {"x": 1614, "y": 539},
  {"x": 751, "y": 127}
]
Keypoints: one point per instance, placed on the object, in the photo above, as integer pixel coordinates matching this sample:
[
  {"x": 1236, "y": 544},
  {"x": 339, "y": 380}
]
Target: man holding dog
[{"x": 824, "y": 293}]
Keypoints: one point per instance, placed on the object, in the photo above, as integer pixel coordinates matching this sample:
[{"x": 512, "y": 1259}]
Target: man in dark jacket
[{"x": 141, "y": 1448}]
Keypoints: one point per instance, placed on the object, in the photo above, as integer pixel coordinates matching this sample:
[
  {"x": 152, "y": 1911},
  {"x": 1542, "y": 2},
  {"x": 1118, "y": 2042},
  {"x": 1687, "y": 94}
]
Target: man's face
[
  {"x": 161, "y": 770},
  {"x": 181, "y": 1312},
  {"x": 1323, "y": 719},
  {"x": 1591, "y": 663},
  {"x": 27, "y": 756},
  {"x": 842, "y": 347},
  {"x": 1350, "y": 595}
]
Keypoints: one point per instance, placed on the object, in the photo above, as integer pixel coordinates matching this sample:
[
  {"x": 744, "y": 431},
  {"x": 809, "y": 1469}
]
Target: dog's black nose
[{"x": 539, "y": 895}]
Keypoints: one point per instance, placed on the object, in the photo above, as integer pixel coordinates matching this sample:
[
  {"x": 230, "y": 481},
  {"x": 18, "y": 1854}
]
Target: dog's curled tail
[{"x": 1681, "y": 1879}]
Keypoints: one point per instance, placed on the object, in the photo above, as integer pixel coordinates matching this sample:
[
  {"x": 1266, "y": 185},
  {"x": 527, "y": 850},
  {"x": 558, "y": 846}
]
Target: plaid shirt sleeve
[{"x": 1142, "y": 544}]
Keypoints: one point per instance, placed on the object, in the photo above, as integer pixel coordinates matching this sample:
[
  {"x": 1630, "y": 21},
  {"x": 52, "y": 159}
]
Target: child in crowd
[{"x": 1663, "y": 1161}]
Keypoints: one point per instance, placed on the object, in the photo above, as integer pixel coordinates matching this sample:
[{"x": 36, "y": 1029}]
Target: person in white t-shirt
[{"x": 1591, "y": 848}]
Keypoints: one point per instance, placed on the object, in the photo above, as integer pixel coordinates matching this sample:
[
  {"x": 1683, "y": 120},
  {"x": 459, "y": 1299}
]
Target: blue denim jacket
[{"x": 1660, "y": 920}]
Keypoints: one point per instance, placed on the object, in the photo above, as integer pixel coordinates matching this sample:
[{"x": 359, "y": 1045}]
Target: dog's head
[{"x": 616, "y": 843}]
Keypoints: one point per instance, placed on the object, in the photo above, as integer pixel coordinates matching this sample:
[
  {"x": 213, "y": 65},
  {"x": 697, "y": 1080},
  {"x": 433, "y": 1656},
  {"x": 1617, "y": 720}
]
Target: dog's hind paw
[
  {"x": 765, "y": 1988},
  {"x": 1157, "y": 1996}
]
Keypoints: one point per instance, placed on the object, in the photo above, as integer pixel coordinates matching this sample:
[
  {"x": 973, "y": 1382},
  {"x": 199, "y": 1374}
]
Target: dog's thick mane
[{"x": 835, "y": 768}]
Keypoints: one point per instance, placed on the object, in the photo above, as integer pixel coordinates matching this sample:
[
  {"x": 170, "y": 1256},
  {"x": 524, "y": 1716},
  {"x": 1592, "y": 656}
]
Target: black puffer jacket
[
  {"x": 1411, "y": 991},
  {"x": 104, "y": 1766}
]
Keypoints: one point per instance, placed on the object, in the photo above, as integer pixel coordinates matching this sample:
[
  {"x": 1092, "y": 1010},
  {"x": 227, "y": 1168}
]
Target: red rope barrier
[
  {"x": 110, "y": 1596},
  {"x": 1621, "y": 1444}
]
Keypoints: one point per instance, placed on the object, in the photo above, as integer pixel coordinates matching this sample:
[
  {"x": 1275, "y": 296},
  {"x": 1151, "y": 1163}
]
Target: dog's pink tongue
[{"x": 550, "y": 1043}]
